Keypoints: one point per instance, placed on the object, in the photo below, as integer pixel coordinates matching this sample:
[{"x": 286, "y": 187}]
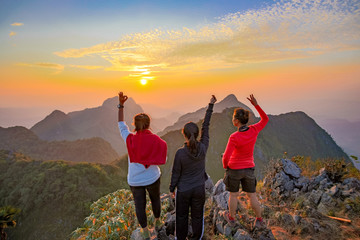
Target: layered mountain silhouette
[
  {"x": 294, "y": 133},
  {"x": 91, "y": 122},
  {"x": 102, "y": 122},
  {"x": 21, "y": 139},
  {"x": 227, "y": 102}
]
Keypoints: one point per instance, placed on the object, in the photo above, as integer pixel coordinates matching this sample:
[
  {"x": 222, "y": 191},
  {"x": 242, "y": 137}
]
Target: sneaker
[
  {"x": 259, "y": 224},
  {"x": 145, "y": 233},
  {"x": 229, "y": 219}
]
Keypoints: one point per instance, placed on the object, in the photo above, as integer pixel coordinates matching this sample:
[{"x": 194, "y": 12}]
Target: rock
[
  {"x": 287, "y": 221},
  {"x": 290, "y": 168},
  {"x": 209, "y": 187},
  {"x": 322, "y": 175},
  {"x": 219, "y": 187},
  {"x": 352, "y": 183},
  {"x": 289, "y": 186},
  {"x": 313, "y": 198},
  {"x": 347, "y": 193},
  {"x": 297, "y": 219},
  {"x": 219, "y": 226},
  {"x": 241, "y": 235},
  {"x": 170, "y": 224},
  {"x": 221, "y": 200},
  {"x": 136, "y": 235},
  {"x": 227, "y": 230},
  {"x": 162, "y": 234},
  {"x": 333, "y": 191},
  {"x": 280, "y": 179},
  {"x": 265, "y": 234},
  {"x": 306, "y": 228}
]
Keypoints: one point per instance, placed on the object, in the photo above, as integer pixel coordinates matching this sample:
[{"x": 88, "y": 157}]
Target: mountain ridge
[
  {"x": 21, "y": 139},
  {"x": 227, "y": 102}
]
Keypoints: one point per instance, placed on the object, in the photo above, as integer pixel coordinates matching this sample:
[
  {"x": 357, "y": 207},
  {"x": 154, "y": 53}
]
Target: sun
[{"x": 143, "y": 81}]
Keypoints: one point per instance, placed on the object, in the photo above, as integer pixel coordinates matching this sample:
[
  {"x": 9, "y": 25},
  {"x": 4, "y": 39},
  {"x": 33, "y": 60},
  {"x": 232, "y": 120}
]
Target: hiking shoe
[
  {"x": 229, "y": 219},
  {"x": 259, "y": 224},
  {"x": 145, "y": 233}
]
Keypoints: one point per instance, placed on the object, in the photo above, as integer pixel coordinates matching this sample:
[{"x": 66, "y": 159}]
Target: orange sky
[{"x": 292, "y": 55}]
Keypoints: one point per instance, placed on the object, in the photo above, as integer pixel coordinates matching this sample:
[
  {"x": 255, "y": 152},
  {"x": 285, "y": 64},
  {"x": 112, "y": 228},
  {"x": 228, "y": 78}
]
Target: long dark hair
[{"x": 191, "y": 132}]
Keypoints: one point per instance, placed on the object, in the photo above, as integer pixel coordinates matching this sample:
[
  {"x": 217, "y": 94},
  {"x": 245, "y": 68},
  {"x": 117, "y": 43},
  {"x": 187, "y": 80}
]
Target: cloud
[
  {"x": 86, "y": 67},
  {"x": 12, "y": 34},
  {"x": 17, "y": 24},
  {"x": 285, "y": 30},
  {"x": 55, "y": 66}
]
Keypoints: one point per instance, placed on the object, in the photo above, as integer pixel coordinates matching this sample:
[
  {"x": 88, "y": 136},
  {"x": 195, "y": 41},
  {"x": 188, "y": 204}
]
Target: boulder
[
  {"x": 219, "y": 187},
  {"x": 241, "y": 235},
  {"x": 221, "y": 200},
  {"x": 313, "y": 198},
  {"x": 209, "y": 187},
  {"x": 290, "y": 168},
  {"x": 352, "y": 183}
]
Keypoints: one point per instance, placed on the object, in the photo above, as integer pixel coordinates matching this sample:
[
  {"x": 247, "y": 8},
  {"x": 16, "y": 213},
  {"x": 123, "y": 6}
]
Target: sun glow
[{"x": 143, "y": 81}]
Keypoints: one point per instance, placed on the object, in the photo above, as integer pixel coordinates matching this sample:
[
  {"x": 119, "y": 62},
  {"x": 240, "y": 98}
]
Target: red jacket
[
  {"x": 239, "y": 152},
  {"x": 146, "y": 148}
]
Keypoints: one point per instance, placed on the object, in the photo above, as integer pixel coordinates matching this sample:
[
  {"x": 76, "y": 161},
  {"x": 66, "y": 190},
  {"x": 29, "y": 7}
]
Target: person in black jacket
[{"x": 189, "y": 176}]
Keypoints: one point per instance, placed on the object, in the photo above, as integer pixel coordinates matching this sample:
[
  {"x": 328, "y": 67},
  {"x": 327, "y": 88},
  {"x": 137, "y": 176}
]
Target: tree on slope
[{"x": 7, "y": 215}]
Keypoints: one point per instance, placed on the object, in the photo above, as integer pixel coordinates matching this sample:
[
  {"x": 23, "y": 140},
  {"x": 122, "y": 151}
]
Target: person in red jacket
[{"x": 238, "y": 160}]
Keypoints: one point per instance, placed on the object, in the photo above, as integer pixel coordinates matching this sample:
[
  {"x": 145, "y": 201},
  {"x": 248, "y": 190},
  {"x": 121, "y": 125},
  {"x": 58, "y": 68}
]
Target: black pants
[
  {"x": 195, "y": 200},
  {"x": 139, "y": 195}
]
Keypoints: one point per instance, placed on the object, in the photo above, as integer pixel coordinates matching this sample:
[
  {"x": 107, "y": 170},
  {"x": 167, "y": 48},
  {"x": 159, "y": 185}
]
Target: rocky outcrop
[
  {"x": 321, "y": 192},
  {"x": 306, "y": 205},
  {"x": 294, "y": 206}
]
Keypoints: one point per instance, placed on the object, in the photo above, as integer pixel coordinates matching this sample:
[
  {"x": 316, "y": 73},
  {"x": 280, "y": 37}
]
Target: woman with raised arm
[
  {"x": 238, "y": 160},
  {"x": 146, "y": 150},
  {"x": 189, "y": 176}
]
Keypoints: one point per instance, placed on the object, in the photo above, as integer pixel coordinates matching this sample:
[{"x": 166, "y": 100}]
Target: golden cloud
[
  {"x": 12, "y": 34},
  {"x": 86, "y": 67},
  {"x": 55, "y": 66},
  {"x": 17, "y": 24},
  {"x": 284, "y": 30}
]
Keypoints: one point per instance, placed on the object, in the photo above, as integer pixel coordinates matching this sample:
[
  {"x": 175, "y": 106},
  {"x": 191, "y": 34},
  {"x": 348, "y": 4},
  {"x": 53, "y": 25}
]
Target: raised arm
[
  {"x": 122, "y": 100},
  {"x": 264, "y": 118},
  {"x": 204, "y": 138}
]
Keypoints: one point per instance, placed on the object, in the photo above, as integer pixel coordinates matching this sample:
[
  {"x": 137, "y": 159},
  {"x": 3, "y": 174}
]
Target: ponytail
[
  {"x": 191, "y": 132},
  {"x": 192, "y": 144}
]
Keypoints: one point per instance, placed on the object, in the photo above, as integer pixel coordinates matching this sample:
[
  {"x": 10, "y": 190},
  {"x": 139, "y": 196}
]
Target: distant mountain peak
[
  {"x": 231, "y": 98},
  {"x": 57, "y": 113},
  {"x": 114, "y": 101}
]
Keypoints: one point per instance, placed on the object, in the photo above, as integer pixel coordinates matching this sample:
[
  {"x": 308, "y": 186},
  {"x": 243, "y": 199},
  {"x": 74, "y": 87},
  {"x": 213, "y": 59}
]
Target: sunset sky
[{"x": 73, "y": 54}]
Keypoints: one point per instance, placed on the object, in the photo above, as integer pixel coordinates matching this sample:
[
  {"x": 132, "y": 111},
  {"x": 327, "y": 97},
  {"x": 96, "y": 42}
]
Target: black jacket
[{"x": 189, "y": 169}]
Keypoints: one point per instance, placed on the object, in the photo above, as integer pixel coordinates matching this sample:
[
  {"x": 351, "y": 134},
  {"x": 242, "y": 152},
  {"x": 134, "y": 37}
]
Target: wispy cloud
[
  {"x": 285, "y": 30},
  {"x": 17, "y": 24},
  {"x": 58, "y": 67},
  {"x": 12, "y": 34},
  {"x": 86, "y": 67}
]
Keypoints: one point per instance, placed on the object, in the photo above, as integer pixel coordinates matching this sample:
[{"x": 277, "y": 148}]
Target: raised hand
[
  {"x": 252, "y": 99},
  {"x": 213, "y": 99},
  {"x": 122, "y": 98}
]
